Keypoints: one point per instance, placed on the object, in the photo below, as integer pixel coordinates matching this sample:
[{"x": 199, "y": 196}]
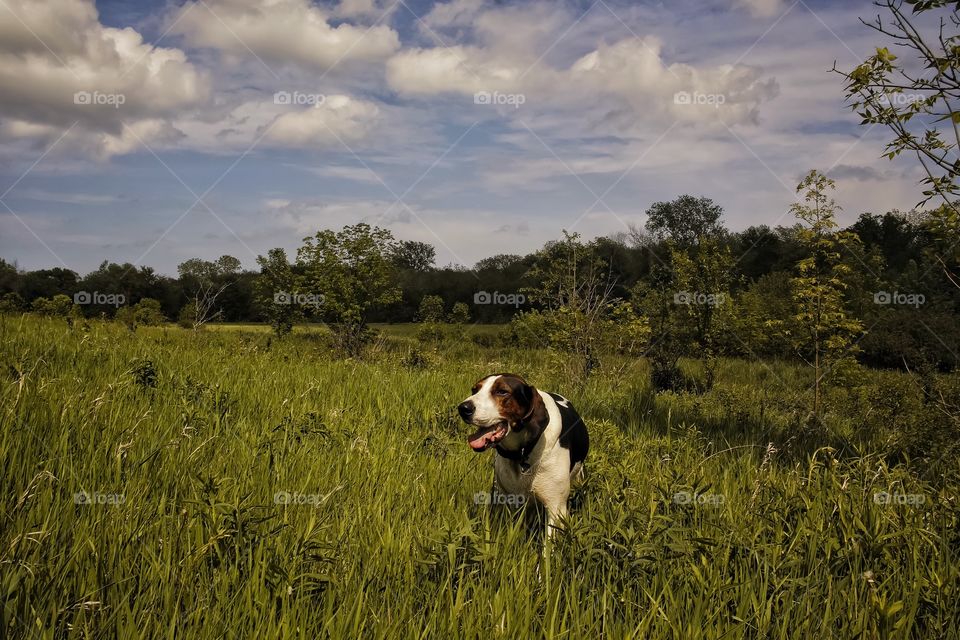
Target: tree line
[{"x": 683, "y": 285}]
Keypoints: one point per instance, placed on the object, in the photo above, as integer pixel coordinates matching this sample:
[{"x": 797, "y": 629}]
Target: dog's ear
[
  {"x": 524, "y": 394},
  {"x": 536, "y": 416}
]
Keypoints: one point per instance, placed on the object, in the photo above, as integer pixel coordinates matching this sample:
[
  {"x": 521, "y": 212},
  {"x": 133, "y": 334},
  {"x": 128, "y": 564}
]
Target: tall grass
[{"x": 173, "y": 484}]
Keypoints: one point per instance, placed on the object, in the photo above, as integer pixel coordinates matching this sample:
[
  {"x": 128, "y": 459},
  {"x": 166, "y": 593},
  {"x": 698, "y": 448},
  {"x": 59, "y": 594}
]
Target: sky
[{"x": 153, "y": 132}]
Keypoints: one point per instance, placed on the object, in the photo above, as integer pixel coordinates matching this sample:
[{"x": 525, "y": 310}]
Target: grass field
[{"x": 172, "y": 484}]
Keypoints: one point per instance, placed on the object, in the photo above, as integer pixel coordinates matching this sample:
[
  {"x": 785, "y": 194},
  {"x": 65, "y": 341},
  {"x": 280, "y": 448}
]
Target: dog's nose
[{"x": 466, "y": 409}]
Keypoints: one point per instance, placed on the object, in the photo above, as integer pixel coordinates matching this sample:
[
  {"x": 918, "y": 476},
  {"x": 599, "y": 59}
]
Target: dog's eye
[{"x": 503, "y": 392}]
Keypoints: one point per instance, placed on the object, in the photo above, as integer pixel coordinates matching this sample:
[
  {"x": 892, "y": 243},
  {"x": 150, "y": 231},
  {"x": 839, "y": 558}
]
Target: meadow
[{"x": 166, "y": 483}]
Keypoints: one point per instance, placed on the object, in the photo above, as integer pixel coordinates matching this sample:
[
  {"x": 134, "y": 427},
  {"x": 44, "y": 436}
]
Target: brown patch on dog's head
[{"x": 518, "y": 401}]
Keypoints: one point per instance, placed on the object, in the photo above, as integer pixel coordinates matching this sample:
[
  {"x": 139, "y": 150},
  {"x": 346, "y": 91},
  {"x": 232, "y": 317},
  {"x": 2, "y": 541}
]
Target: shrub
[
  {"x": 430, "y": 332},
  {"x": 147, "y": 312},
  {"x": 898, "y": 338}
]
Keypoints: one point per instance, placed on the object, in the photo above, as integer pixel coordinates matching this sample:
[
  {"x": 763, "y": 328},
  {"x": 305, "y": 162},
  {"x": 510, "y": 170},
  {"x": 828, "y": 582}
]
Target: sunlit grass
[{"x": 687, "y": 524}]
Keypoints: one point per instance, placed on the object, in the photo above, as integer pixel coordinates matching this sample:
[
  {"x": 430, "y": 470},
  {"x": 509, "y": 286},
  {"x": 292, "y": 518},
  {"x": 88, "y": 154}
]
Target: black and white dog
[{"x": 540, "y": 439}]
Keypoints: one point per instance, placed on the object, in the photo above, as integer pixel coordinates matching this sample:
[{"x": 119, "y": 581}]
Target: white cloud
[
  {"x": 620, "y": 87},
  {"x": 52, "y": 51},
  {"x": 338, "y": 119},
  {"x": 282, "y": 31}
]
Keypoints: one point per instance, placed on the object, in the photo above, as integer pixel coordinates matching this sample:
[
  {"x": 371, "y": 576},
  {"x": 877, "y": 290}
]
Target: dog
[{"x": 541, "y": 442}]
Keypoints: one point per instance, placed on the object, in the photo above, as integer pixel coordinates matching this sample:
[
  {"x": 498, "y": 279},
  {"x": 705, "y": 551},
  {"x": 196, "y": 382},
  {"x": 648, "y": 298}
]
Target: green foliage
[
  {"x": 431, "y": 332},
  {"x": 353, "y": 272},
  {"x": 187, "y": 314},
  {"x": 703, "y": 272},
  {"x": 575, "y": 287},
  {"x": 459, "y": 314},
  {"x": 412, "y": 255},
  {"x": 918, "y": 107},
  {"x": 58, "y": 307},
  {"x": 684, "y": 221},
  {"x": 822, "y": 330},
  {"x": 147, "y": 312},
  {"x": 273, "y": 289},
  {"x": 12, "y": 303},
  {"x": 766, "y": 303},
  {"x": 127, "y": 317},
  {"x": 431, "y": 309}
]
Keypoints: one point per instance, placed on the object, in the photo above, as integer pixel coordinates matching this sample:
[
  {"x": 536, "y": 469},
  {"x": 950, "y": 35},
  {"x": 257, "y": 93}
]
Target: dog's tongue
[{"x": 483, "y": 438}]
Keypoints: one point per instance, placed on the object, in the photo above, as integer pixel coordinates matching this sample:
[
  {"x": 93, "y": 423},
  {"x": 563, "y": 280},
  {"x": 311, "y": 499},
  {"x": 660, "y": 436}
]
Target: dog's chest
[{"x": 546, "y": 470}]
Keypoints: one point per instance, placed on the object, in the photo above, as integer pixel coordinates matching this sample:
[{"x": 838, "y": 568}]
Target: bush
[
  {"x": 57, "y": 307},
  {"x": 187, "y": 315},
  {"x": 430, "y": 332},
  {"x": 902, "y": 336},
  {"x": 147, "y": 312},
  {"x": 12, "y": 303}
]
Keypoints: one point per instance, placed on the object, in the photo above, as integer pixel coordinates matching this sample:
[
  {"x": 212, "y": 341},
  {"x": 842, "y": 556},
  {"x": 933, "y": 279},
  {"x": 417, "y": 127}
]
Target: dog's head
[{"x": 502, "y": 406}]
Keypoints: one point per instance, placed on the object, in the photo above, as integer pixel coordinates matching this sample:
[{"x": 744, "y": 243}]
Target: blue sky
[{"x": 602, "y": 108}]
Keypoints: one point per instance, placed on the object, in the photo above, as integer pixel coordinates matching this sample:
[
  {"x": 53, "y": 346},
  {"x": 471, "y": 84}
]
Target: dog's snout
[{"x": 466, "y": 409}]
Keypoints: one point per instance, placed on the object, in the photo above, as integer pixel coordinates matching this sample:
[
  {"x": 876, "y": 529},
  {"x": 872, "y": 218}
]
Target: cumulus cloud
[
  {"x": 650, "y": 87},
  {"x": 621, "y": 85},
  {"x": 59, "y": 66},
  {"x": 731, "y": 92},
  {"x": 338, "y": 118},
  {"x": 283, "y": 31}
]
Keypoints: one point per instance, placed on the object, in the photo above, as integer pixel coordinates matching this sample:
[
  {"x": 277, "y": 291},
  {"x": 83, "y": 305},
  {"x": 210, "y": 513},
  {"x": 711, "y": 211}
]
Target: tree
[
  {"x": 147, "y": 312},
  {"x": 576, "y": 289},
  {"x": 431, "y": 309},
  {"x": 57, "y": 307},
  {"x": 822, "y": 331},
  {"x": 684, "y": 220},
  {"x": 701, "y": 277},
  {"x": 915, "y": 97},
  {"x": 460, "y": 314},
  {"x": 352, "y": 270},
  {"x": 205, "y": 281},
  {"x": 274, "y": 290},
  {"x": 416, "y": 256},
  {"x": 11, "y": 303},
  {"x": 499, "y": 262}
]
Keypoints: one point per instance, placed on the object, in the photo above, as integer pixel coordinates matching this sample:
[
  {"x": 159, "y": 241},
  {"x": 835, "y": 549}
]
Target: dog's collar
[
  {"x": 521, "y": 456},
  {"x": 515, "y": 455}
]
